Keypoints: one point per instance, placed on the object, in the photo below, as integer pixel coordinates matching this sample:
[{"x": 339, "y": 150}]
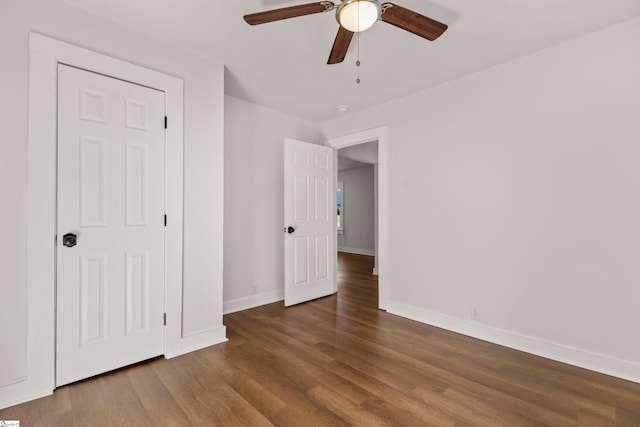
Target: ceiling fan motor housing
[{"x": 358, "y": 15}]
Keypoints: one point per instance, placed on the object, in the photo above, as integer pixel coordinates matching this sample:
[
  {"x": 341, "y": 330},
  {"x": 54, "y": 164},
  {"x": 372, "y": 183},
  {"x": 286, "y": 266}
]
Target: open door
[{"x": 309, "y": 222}]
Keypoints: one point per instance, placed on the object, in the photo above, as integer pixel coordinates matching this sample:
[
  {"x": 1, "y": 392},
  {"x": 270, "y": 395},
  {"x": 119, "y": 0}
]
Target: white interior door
[
  {"x": 110, "y": 284},
  {"x": 309, "y": 222}
]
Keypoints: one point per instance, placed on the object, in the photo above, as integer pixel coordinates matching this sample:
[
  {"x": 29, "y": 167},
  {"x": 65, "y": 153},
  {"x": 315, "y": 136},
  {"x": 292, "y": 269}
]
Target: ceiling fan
[{"x": 354, "y": 16}]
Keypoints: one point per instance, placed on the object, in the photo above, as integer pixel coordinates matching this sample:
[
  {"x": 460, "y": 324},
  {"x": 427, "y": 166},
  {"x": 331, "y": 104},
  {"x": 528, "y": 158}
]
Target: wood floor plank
[
  {"x": 345, "y": 409},
  {"x": 243, "y": 383},
  {"x": 190, "y": 395},
  {"x": 339, "y": 361},
  {"x": 343, "y": 387},
  {"x": 158, "y": 402},
  {"x": 107, "y": 400},
  {"x": 42, "y": 411},
  {"x": 422, "y": 410},
  {"x": 479, "y": 410}
]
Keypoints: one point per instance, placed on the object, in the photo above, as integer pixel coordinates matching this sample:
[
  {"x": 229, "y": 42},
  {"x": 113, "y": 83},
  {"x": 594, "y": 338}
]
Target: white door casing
[
  {"x": 309, "y": 208},
  {"x": 110, "y": 286},
  {"x": 380, "y": 134}
]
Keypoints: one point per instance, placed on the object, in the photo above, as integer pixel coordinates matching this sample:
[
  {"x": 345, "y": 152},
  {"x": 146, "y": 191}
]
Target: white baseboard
[
  {"x": 24, "y": 399},
  {"x": 604, "y": 364},
  {"x": 199, "y": 341},
  {"x": 357, "y": 251},
  {"x": 252, "y": 301}
]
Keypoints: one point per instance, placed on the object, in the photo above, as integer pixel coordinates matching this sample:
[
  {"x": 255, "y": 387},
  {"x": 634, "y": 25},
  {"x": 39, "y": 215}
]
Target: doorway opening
[
  {"x": 356, "y": 195},
  {"x": 379, "y": 136}
]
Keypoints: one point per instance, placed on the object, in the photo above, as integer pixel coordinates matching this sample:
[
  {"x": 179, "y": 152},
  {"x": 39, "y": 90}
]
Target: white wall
[
  {"x": 203, "y": 194},
  {"x": 517, "y": 190},
  {"x": 359, "y": 211},
  {"x": 254, "y": 201}
]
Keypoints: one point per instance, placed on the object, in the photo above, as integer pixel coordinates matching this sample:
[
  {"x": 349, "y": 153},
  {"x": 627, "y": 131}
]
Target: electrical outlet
[{"x": 475, "y": 312}]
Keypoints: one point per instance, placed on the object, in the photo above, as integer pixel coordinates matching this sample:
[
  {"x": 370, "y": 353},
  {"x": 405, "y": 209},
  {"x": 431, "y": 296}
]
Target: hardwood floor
[{"x": 340, "y": 361}]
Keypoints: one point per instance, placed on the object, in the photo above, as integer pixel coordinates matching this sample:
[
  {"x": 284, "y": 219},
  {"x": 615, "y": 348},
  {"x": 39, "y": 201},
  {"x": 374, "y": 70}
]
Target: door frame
[
  {"x": 45, "y": 54},
  {"x": 381, "y": 135}
]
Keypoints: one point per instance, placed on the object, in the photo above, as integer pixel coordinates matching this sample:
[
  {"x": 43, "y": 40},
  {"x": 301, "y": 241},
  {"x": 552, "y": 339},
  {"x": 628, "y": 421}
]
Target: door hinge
[
  {"x": 165, "y": 220},
  {"x": 164, "y": 319},
  {"x": 165, "y": 122}
]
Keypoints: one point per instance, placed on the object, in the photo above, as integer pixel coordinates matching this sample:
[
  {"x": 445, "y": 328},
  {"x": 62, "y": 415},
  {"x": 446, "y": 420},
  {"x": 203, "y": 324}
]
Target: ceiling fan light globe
[{"x": 358, "y": 15}]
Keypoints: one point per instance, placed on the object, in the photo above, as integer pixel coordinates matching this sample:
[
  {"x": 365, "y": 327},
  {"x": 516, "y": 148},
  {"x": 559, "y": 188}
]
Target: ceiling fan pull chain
[
  {"x": 358, "y": 51},
  {"x": 358, "y": 61}
]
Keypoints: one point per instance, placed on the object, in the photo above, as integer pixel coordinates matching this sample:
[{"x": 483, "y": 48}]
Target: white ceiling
[
  {"x": 282, "y": 65},
  {"x": 345, "y": 163},
  {"x": 358, "y": 156}
]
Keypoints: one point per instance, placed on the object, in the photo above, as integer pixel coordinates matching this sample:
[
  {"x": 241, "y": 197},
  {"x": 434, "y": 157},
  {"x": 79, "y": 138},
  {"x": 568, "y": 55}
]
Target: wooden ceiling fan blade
[
  {"x": 411, "y": 21},
  {"x": 340, "y": 46},
  {"x": 288, "y": 12}
]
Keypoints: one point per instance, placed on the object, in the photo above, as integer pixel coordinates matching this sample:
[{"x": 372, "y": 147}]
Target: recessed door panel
[
  {"x": 301, "y": 260},
  {"x": 322, "y": 197},
  {"x": 92, "y": 203},
  {"x": 93, "y": 105},
  {"x": 322, "y": 160},
  {"x": 136, "y": 114},
  {"x": 322, "y": 257},
  {"x": 136, "y": 193},
  {"x": 137, "y": 292},
  {"x": 300, "y": 158},
  {"x": 301, "y": 198},
  {"x": 92, "y": 299}
]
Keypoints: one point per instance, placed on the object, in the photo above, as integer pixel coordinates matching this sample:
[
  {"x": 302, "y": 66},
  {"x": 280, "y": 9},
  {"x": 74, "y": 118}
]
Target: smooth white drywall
[
  {"x": 13, "y": 211},
  {"x": 517, "y": 190},
  {"x": 203, "y": 184},
  {"x": 359, "y": 210},
  {"x": 254, "y": 201}
]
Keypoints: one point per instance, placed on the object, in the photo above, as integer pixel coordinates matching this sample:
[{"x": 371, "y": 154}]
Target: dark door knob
[
  {"x": 69, "y": 240},
  {"x": 290, "y": 229}
]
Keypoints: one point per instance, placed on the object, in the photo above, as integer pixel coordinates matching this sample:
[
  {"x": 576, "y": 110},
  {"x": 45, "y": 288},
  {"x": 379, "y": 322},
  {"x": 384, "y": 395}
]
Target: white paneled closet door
[{"x": 110, "y": 224}]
